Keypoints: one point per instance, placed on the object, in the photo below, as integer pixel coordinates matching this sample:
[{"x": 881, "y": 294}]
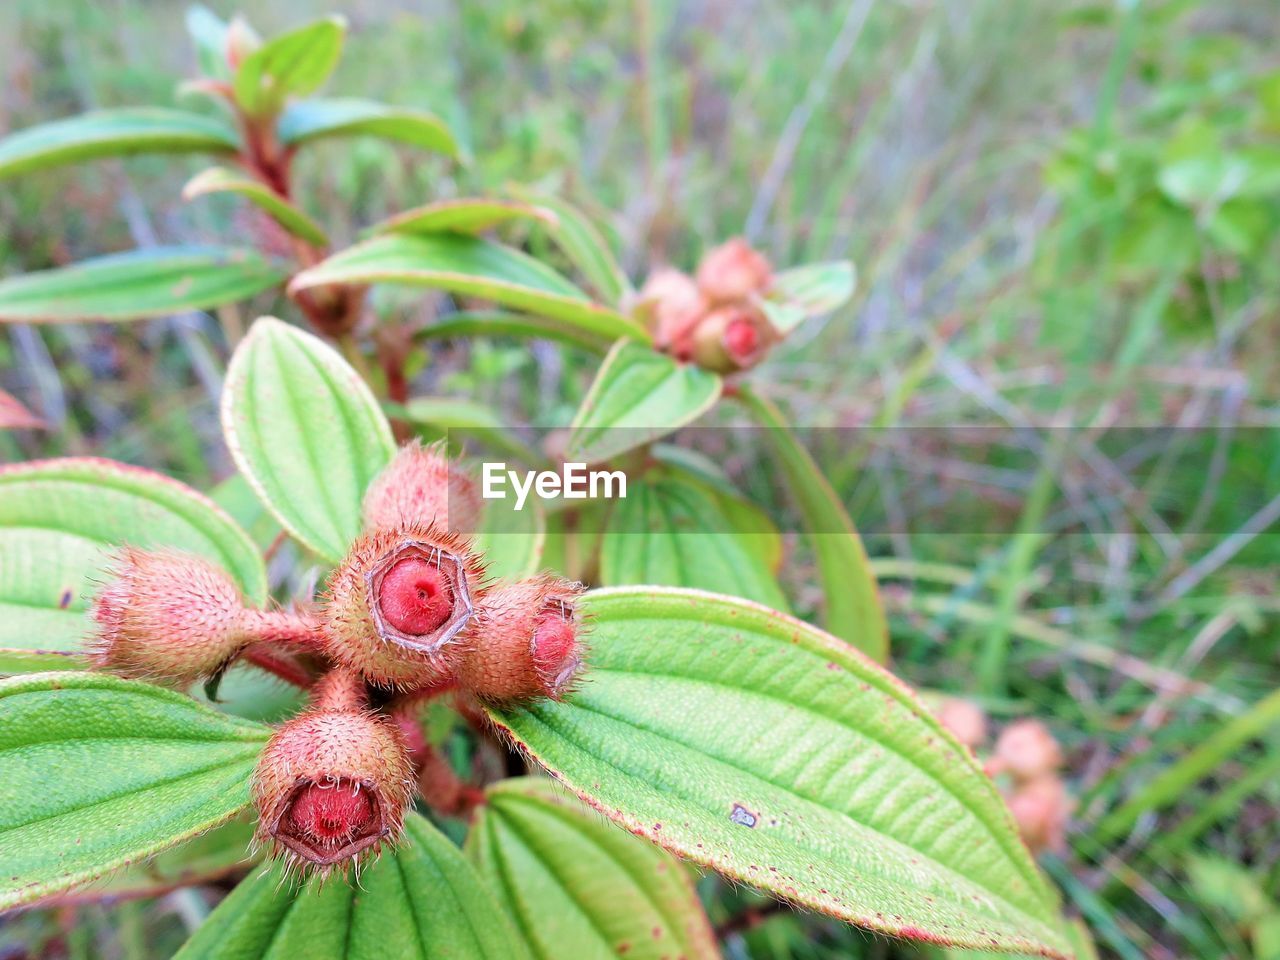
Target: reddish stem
[
  {"x": 282, "y": 626},
  {"x": 285, "y": 668}
]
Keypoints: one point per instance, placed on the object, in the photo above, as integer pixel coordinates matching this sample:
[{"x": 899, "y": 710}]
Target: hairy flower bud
[
  {"x": 965, "y": 719},
  {"x": 168, "y": 616},
  {"x": 732, "y": 338},
  {"x": 334, "y": 782},
  {"x": 420, "y": 487},
  {"x": 1026, "y": 750},
  {"x": 1040, "y": 808},
  {"x": 733, "y": 271},
  {"x": 526, "y": 641},
  {"x": 672, "y": 305},
  {"x": 397, "y": 601}
]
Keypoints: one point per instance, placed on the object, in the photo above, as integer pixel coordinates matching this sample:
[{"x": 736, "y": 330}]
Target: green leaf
[
  {"x": 421, "y": 900},
  {"x": 500, "y": 323},
  {"x": 670, "y": 530},
  {"x": 470, "y": 215},
  {"x": 759, "y": 534},
  {"x": 201, "y": 860},
  {"x": 208, "y": 34},
  {"x": 222, "y": 180},
  {"x": 293, "y": 64},
  {"x": 854, "y": 610},
  {"x": 811, "y": 290},
  {"x": 579, "y": 887},
  {"x": 638, "y": 396},
  {"x": 113, "y": 133},
  {"x": 306, "y": 432},
  {"x": 575, "y": 234},
  {"x": 752, "y": 743},
  {"x": 60, "y": 520},
  {"x": 98, "y": 772},
  {"x": 471, "y": 266},
  {"x": 155, "y": 282},
  {"x": 512, "y": 541},
  {"x": 458, "y": 419},
  {"x": 309, "y": 120}
]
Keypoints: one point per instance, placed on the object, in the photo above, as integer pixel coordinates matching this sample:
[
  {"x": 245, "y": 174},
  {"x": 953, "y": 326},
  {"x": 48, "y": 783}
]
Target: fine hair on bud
[
  {"x": 167, "y": 616},
  {"x": 526, "y": 641},
  {"x": 422, "y": 487},
  {"x": 733, "y": 271},
  {"x": 398, "y": 601},
  {"x": 1026, "y": 750},
  {"x": 334, "y": 782}
]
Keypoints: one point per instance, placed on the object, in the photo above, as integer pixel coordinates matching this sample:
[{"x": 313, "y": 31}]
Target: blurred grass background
[{"x": 1062, "y": 213}]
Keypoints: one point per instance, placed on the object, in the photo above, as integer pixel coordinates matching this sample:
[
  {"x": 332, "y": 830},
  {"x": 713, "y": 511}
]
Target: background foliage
[{"x": 1061, "y": 213}]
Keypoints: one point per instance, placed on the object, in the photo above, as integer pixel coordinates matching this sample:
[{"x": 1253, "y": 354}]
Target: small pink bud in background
[
  {"x": 1041, "y": 808},
  {"x": 733, "y": 271},
  {"x": 966, "y": 720},
  {"x": 1025, "y": 750},
  {"x": 672, "y": 305},
  {"x": 420, "y": 487},
  {"x": 397, "y": 601},
  {"x": 334, "y": 782},
  {"x": 732, "y": 338},
  {"x": 168, "y": 616},
  {"x": 526, "y": 641}
]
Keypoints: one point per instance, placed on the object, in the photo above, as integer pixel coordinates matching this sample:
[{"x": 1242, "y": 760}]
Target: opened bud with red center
[
  {"x": 733, "y": 271},
  {"x": 526, "y": 641},
  {"x": 732, "y": 338},
  {"x": 334, "y": 782},
  {"x": 421, "y": 487},
  {"x": 168, "y": 616},
  {"x": 397, "y": 601}
]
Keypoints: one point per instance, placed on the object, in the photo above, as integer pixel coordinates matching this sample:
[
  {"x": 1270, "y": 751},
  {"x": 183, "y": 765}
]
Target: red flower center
[
  {"x": 328, "y": 813},
  {"x": 555, "y": 648},
  {"x": 741, "y": 339},
  {"x": 416, "y": 596}
]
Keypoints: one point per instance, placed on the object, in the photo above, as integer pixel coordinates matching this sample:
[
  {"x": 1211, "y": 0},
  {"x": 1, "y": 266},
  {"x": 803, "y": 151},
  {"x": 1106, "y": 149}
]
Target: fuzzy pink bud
[
  {"x": 168, "y": 616},
  {"x": 421, "y": 487},
  {"x": 732, "y": 338},
  {"x": 1041, "y": 808},
  {"x": 672, "y": 305},
  {"x": 334, "y": 782},
  {"x": 733, "y": 271},
  {"x": 526, "y": 641},
  {"x": 966, "y": 720},
  {"x": 1026, "y": 750}
]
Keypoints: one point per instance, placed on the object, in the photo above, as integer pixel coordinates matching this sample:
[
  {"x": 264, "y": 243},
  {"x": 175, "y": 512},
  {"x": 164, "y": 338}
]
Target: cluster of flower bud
[
  {"x": 715, "y": 318},
  {"x": 1028, "y": 759},
  {"x": 409, "y": 611}
]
